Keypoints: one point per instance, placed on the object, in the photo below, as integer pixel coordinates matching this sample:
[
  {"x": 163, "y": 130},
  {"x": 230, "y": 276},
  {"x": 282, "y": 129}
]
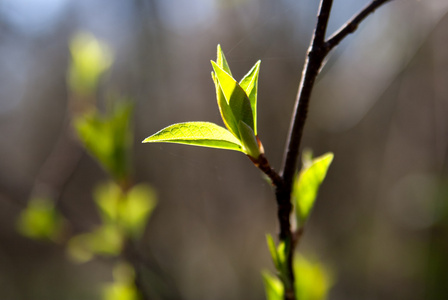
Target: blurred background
[{"x": 381, "y": 105}]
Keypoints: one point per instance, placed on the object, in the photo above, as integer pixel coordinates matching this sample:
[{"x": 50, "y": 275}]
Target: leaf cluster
[{"x": 237, "y": 102}]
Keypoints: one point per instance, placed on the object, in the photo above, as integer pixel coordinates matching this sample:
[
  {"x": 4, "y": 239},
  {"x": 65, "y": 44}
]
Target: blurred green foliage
[
  {"x": 109, "y": 137},
  {"x": 128, "y": 210},
  {"x": 40, "y": 220},
  {"x": 312, "y": 281},
  {"x": 90, "y": 58},
  {"x": 123, "y": 287}
]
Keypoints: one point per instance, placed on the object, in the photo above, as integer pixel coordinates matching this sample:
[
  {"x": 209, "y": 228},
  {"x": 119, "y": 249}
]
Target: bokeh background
[{"x": 381, "y": 105}]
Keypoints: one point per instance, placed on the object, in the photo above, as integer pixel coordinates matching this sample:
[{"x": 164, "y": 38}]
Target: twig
[
  {"x": 353, "y": 24},
  {"x": 317, "y": 52}
]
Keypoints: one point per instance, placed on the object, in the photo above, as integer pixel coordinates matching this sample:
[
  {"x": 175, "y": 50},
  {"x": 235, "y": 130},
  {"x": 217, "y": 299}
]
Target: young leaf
[
  {"x": 235, "y": 96},
  {"x": 40, "y": 220},
  {"x": 106, "y": 240},
  {"x": 136, "y": 209},
  {"x": 273, "y": 287},
  {"x": 108, "y": 137},
  {"x": 90, "y": 59},
  {"x": 221, "y": 60},
  {"x": 307, "y": 184},
  {"x": 249, "y": 140},
  {"x": 273, "y": 251},
  {"x": 225, "y": 110},
  {"x": 203, "y": 134},
  {"x": 313, "y": 281},
  {"x": 249, "y": 84}
]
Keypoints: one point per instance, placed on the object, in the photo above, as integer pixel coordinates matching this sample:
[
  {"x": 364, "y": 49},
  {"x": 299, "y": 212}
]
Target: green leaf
[
  {"x": 90, "y": 58},
  {"x": 249, "y": 83},
  {"x": 312, "y": 280},
  {"x": 236, "y": 97},
  {"x": 306, "y": 185},
  {"x": 108, "y": 137},
  {"x": 273, "y": 287},
  {"x": 123, "y": 287},
  {"x": 106, "y": 240},
  {"x": 129, "y": 211},
  {"x": 225, "y": 110},
  {"x": 203, "y": 134},
  {"x": 273, "y": 250},
  {"x": 221, "y": 60},
  {"x": 40, "y": 220},
  {"x": 249, "y": 140},
  {"x": 108, "y": 197},
  {"x": 136, "y": 209}
]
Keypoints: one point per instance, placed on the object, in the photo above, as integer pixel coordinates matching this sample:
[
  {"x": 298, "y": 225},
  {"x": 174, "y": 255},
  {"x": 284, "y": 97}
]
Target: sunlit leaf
[
  {"x": 312, "y": 280},
  {"x": 221, "y": 60},
  {"x": 236, "y": 97},
  {"x": 90, "y": 58},
  {"x": 279, "y": 257},
  {"x": 197, "y": 133},
  {"x": 249, "y": 84},
  {"x": 249, "y": 140},
  {"x": 307, "y": 183},
  {"x": 40, "y": 220},
  {"x": 273, "y": 250},
  {"x": 225, "y": 110},
  {"x": 273, "y": 287}
]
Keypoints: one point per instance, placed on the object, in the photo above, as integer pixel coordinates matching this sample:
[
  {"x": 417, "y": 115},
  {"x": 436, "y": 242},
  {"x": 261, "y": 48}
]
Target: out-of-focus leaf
[
  {"x": 222, "y": 61},
  {"x": 108, "y": 138},
  {"x": 249, "y": 140},
  {"x": 236, "y": 97},
  {"x": 136, "y": 209},
  {"x": 108, "y": 197},
  {"x": 249, "y": 84},
  {"x": 273, "y": 250},
  {"x": 312, "y": 280},
  {"x": 129, "y": 211},
  {"x": 279, "y": 256},
  {"x": 120, "y": 291},
  {"x": 307, "y": 183},
  {"x": 90, "y": 58},
  {"x": 225, "y": 110},
  {"x": 203, "y": 134},
  {"x": 106, "y": 240},
  {"x": 40, "y": 220},
  {"x": 123, "y": 287},
  {"x": 273, "y": 287}
]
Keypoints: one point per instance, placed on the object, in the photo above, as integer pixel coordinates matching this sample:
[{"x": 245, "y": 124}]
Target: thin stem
[
  {"x": 313, "y": 63},
  {"x": 315, "y": 56},
  {"x": 317, "y": 52},
  {"x": 353, "y": 24}
]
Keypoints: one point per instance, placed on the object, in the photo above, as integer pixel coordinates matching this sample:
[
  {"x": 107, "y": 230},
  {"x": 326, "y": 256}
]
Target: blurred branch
[{"x": 317, "y": 52}]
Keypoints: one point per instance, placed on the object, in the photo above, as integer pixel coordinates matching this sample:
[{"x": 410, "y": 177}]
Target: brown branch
[
  {"x": 317, "y": 52},
  {"x": 353, "y": 24}
]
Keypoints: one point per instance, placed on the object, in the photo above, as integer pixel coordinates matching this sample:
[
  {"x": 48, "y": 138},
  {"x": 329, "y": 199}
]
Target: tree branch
[
  {"x": 315, "y": 56},
  {"x": 317, "y": 52},
  {"x": 352, "y": 25}
]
